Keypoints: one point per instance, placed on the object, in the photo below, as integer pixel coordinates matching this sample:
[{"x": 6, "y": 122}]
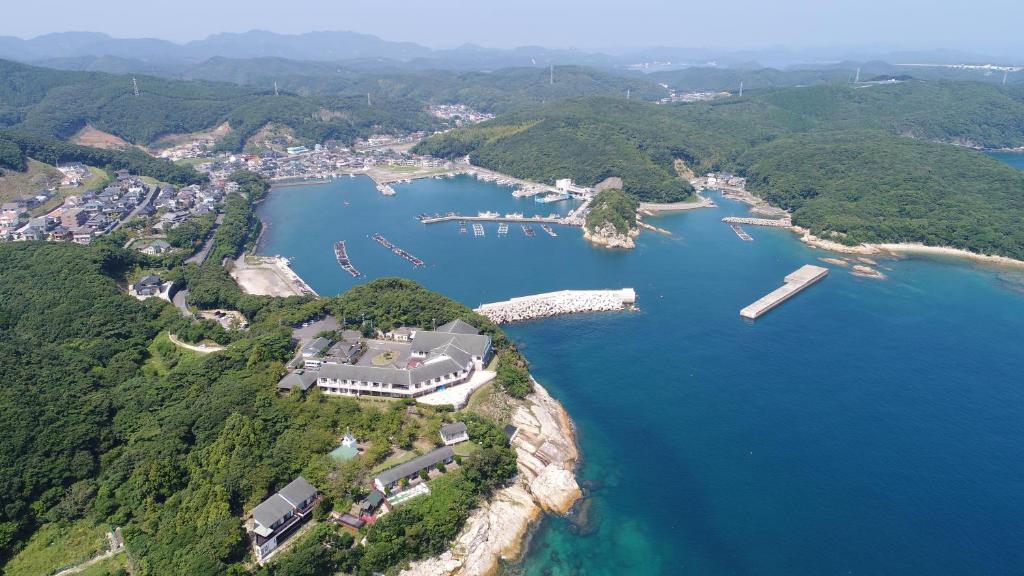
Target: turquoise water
[{"x": 864, "y": 427}]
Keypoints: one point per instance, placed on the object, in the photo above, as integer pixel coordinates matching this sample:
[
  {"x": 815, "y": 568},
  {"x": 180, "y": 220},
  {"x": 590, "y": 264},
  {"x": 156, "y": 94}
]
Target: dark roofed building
[
  {"x": 371, "y": 503},
  {"x": 457, "y": 327},
  {"x": 301, "y": 379},
  {"x": 388, "y": 479},
  {"x": 280, "y": 515},
  {"x": 452, "y": 434}
]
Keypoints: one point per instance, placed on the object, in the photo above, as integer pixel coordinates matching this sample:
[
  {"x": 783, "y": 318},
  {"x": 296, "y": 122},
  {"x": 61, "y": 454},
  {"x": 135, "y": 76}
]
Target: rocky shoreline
[
  {"x": 608, "y": 237},
  {"x": 546, "y": 452}
]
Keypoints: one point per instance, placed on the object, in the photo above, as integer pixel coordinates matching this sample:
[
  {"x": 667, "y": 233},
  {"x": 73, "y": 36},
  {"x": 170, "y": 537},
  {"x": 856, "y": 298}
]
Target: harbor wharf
[
  {"x": 794, "y": 283},
  {"x": 528, "y": 219},
  {"x": 557, "y": 303},
  {"x": 771, "y": 222}
]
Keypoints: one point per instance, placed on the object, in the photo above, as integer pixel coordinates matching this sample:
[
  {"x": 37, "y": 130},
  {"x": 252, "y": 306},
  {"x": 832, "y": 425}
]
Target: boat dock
[
  {"x": 547, "y": 228},
  {"x": 342, "y": 255},
  {"x": 741, "y": 233},
  {"x": 558, "y": 303},
  {"x": 402, "y": 253},
  {"x": 503, "y": 229},
  {"x": 794, "y": 283},
  {"x": 478, "y": 229}
]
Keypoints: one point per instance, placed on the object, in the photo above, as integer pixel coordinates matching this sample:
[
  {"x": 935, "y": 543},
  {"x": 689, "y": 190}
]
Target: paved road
[
  {"x": 135, "y": 212},
  {"x": 181, "y": 301},
  {"x": 200, "y": 257}
]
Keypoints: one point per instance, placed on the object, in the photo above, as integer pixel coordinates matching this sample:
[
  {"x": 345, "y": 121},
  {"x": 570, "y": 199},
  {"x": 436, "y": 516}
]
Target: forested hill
[
  {"x": 107, "y": 423},
  {"x": 59, "y": 103},
  {"x": 910, "y": 125}
]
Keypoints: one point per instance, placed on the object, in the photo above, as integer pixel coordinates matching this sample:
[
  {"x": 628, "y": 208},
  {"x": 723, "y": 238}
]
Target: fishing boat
[
  {"x": 551, "y": 198},
  {"x": 527, "y": 229},
  {"x": 548, "y": 229},
  {"x": 488, "y": 214}
]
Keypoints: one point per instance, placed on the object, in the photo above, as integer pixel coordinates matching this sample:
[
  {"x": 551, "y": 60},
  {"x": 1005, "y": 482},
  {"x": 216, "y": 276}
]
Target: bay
[{"x": 864, "y": 427}]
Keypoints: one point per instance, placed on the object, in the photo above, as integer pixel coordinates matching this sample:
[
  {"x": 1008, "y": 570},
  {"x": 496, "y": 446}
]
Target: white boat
[{"x": 488, "y": 214}]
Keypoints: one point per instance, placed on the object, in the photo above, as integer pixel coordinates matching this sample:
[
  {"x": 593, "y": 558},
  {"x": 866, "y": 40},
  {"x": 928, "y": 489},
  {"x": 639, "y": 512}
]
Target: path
[
  {"x": 116, "y": 547},
  {"x": 135, "y": 212},
  {"x": 200, "y": 348}
]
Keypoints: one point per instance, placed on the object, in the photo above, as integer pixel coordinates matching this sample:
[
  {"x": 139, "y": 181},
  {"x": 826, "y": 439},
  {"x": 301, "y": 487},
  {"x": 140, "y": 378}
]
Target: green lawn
[
  {"x": 16, "y": 184},
  {"x": 384, "y": 358},
  {"x": 57, "y": 546}
]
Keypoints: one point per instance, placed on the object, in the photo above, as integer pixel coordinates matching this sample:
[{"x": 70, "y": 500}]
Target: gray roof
[
  {"x": 394, "y": 376},
  {"x": 413, "y": 466},
  {"x": 457, "y": 327},
  {"x": 316, "y": 346},
  {"x": 301, "y": 379},
  {"x": 298, "y": 490},
  {"x": 453, "y": 430},
  {"x": 475, "y": 344},
  {"x": 281, "y": 504},
  {"x": 451, "y": 350}
]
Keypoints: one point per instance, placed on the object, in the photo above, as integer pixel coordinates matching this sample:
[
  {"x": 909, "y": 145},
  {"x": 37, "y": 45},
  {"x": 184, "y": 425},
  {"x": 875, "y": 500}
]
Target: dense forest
[
  {"x": 613, "y": 207},
  {"x": 781, "y": 139},
  {"x": 58, "y": 104},
  {"x": 106, "y": 421}
]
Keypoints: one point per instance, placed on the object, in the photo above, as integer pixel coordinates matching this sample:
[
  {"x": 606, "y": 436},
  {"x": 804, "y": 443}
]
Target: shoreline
[
  {"x": 908, "y": 249},
  {"x": 499, "y": 530}
]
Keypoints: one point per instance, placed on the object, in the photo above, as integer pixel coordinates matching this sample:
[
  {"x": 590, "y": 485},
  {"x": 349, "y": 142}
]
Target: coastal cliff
[
  {"x": 609, "y": 237},
  {"x": 546, "y": 453}
]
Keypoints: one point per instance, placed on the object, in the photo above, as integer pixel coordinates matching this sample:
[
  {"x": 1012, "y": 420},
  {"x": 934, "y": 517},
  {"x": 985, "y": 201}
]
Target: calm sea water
[{"x": 864, "y": 427}]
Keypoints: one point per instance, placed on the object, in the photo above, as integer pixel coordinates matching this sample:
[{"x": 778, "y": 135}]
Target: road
[
  {"x": 135, "y": 212},
  {"x": 200, "y": 257}
]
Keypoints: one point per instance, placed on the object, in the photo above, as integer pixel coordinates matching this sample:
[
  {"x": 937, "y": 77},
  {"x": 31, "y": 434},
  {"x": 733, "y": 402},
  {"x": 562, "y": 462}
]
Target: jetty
[
  {"x": 770, "y": 222},
  {"x": 485, "y": 217},
  {"x": 794, "y": 283},
  {"x": 557, "y": 304},
  {"x": 342, "y": 256},
  {"x": 402, "y": 253}
]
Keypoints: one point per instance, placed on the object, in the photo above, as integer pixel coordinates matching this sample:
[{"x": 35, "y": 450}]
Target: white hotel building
[{"x": 445, "y": 357}]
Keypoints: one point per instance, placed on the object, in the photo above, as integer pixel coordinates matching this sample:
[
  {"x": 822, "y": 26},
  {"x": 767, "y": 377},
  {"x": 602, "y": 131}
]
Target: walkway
[
  {"x": 116, "y": 547},
  {"x": 199, "y": 348},
  {"x": 458, "y": 395},
  {"x": 200, "y": 257}
]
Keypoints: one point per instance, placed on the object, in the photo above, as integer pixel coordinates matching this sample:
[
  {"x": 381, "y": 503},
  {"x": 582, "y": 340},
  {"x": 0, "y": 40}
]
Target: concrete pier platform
[{"x": 794, "y": 283}]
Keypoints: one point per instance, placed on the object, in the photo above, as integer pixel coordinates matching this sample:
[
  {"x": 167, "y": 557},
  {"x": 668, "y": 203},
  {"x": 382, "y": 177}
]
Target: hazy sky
[{"x": 993, "y": 25}]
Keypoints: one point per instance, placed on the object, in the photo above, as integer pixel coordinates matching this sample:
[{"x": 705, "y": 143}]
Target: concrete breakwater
[
  {"x": 794, "y": 283},
  {"x": 775, "y": 223},
  {"x": 557, "y": 303}
]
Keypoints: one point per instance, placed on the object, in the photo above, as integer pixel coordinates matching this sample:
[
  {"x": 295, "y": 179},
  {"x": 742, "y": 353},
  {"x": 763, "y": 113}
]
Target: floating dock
[
  {"x": 550, "y": 231},
  {"x": 527, "y": 229},
  {"x": 741, "y": 233},
  {"x": 478, "y": 229},
  {"x": 342, "y": 256},
  {"x": 402, "y": 253},
  {"x": 795, "y": 282},
  {"x": 502, "y": 229}
]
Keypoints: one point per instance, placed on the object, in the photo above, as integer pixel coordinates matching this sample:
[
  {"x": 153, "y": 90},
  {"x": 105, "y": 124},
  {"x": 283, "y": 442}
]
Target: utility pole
[
  {"x": 856, "y": 78},
  {"x": 368, "y": 103},
  {"x": 552, "y": 74},
  {"x": 276, "y": 93},
  {"x": 1005, "y": 72},
  {"x": 741, "y": 88},
  {"x": 135, "y": 87},
  {"x": 627, "y": 93}
]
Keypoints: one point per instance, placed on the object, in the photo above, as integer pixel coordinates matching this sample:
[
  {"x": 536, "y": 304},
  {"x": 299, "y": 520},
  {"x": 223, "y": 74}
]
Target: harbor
[
  {"x": 341, "y": 254},
  {"x": 557, "y": 303},
  {"x": 495, "y": 217},
  {"x": 402, "y": 253},
  {"x": 795, "y": 282}
]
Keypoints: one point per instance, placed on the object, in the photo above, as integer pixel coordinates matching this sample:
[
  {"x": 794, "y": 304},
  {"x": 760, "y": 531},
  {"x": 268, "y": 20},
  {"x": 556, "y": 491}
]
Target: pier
[
  {"x": 495, "y": 218},
  {"x": 794, "y": 283},
  {"x": 557, "y": 304},
  {"x": 770, "y": 222}
]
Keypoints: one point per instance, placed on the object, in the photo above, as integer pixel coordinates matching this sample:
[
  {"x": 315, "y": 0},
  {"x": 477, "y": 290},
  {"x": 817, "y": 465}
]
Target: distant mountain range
[{"x": 100, "y": 52}]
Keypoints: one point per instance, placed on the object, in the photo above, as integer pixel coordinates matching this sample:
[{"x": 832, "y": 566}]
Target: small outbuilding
[{"x": 454, "y": 433}]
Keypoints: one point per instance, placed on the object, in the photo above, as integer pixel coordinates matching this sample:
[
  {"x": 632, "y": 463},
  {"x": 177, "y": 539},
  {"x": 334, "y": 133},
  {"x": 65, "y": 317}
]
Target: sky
[{"x": 989, "y": 25}]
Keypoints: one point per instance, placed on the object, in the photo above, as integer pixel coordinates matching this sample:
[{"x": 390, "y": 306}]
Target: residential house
[
  {"x": 390, "y": 478},
  {"x": 302, "y": 379},
  {"x": 279, "y": 516},
  {"x": 452, "y": 434},
  {"x": 156, "y": 247},
  {"x": 148, "y": 286},
  {"x": 401, "y": 334}
]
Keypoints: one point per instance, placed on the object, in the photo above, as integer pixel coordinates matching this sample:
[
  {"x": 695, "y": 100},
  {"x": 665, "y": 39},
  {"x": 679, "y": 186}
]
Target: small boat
[
  {"x": 547, "y": 228},
  {"x": 527, "y": 229}
]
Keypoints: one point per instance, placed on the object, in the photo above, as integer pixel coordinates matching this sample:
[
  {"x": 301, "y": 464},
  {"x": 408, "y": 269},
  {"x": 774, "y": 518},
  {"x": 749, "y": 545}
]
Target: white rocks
[
  {"x": 609, "y": 237},
  {"x": 557, "y": 303},
  {"x": 546, "y": 456}
]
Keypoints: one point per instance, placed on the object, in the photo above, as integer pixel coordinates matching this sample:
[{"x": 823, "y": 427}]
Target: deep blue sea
[{"x": 864, "y": 427}]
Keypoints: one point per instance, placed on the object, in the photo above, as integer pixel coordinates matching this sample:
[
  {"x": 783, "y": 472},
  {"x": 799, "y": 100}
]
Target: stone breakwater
[
  {"x": 557, "y": 303},
  {"x": 546, "y": 455},
  {"x": 772, "y": 222}
]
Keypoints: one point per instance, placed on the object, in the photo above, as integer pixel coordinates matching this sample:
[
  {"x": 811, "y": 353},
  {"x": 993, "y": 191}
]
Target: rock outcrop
[
  {"x": 546, "y": 456},
  {"x": 609, "y": 237}
]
